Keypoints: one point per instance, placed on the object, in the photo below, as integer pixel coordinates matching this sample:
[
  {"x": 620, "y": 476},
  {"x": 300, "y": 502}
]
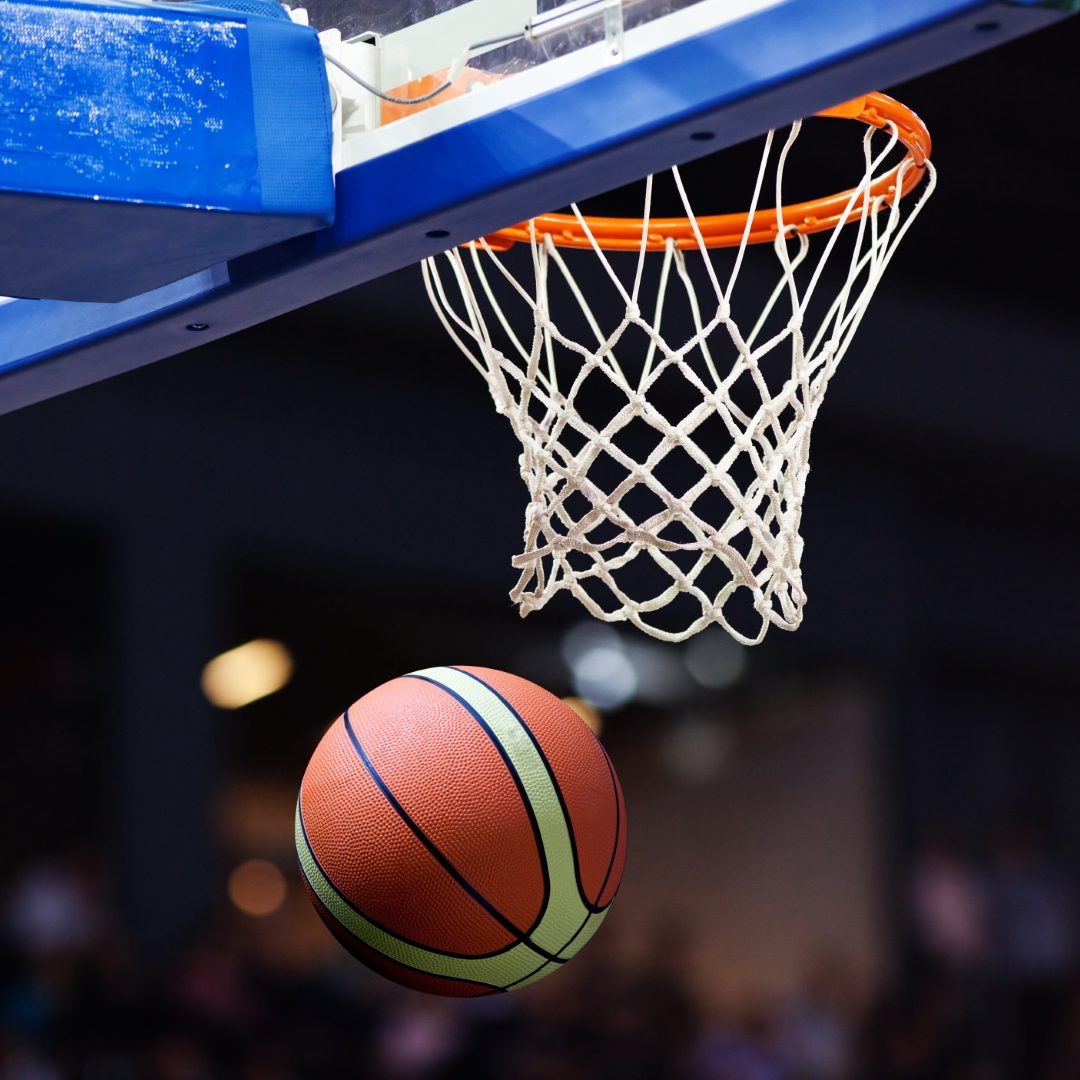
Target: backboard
[{"x": 547, "y": 103}]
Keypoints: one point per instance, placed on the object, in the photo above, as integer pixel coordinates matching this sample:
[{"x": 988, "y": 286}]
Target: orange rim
[{"x": 727, "y": 230}]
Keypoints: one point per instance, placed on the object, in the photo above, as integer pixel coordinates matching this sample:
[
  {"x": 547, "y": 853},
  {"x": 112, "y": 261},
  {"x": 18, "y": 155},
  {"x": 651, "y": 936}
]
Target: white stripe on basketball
[{"x": 565, "y": 913}]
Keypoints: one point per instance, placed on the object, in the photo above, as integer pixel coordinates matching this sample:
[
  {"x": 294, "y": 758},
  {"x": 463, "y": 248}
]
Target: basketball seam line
[
  {"x": 566, "y": 945},
  {"x": 591, "y": 907},
  {"x": 388, "y": 930},
  {"x": 618, "y": 831},
  {"x": 434, "y": 851},
  {"x": 607, "y": 877},
  {"x": 510, "y": 985},
  {"x": 491, "y": 988},
  {"x": 538, "y": 840}
]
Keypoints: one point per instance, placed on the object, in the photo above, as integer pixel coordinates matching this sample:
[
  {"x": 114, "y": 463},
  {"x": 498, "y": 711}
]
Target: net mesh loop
[{"x": 610, "y": 518}]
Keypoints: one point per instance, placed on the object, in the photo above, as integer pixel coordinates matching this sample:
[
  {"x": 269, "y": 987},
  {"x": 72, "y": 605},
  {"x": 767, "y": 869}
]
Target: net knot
[{"x": 501, "y": 395}]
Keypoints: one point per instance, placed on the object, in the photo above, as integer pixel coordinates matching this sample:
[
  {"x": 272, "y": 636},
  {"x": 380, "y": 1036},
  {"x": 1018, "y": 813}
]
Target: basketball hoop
[{"x": 603, "y": 522}]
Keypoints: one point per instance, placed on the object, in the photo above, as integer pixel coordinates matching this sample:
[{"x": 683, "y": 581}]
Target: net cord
[{"x": 774, "y": 438}]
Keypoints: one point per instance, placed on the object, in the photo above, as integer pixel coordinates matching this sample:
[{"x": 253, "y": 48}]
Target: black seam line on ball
[
  {"x": 577, "y": 933},
  {"x": 618, "y": 827},
  {"x": 388, "y": 930},
  {"x": 440, "y": 858},
  {"x": 589, "y": 905},
  {"x": 541, "y": 854},
  {"x": 559, "y": 958},
  {"x": 489, "y": 988},
  {"x": 531, "y": 974}
]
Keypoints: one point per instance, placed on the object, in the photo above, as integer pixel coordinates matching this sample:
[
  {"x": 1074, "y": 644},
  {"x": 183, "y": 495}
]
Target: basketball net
[{"x": 737, "y": 504}]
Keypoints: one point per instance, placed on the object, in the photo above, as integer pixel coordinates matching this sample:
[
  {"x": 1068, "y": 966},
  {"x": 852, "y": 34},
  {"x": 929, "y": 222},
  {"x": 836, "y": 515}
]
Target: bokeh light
[
  {"x": 257, "y": 888},
  {"x": 599, "y": 667},
  {"x": 247, "y": 673},
  {"x": 715, "y": 660}
]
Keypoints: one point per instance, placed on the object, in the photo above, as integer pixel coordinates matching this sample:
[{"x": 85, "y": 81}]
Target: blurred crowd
[{"x": 984, "y": 987}]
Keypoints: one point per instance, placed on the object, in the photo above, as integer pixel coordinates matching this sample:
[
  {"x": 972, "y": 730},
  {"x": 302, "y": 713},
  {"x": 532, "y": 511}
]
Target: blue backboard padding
[
  {"x": 617, "y": 124},
  {"x": 36, "y": 327},
  {"x": 291, "y": 113},
  {"x": 190, "y": 108},
  {"x": 76, "y": 249},
  {"x": 270, "y": 8}
]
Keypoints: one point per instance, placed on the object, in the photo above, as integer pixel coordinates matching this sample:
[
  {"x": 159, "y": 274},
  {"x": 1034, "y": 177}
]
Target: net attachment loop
[{"x": 665, "y": 426}]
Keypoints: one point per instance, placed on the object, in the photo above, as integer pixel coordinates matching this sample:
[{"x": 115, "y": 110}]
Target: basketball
[{"x": 461, "y": 831}]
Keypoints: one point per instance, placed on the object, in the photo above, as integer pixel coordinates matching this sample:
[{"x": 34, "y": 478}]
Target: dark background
[{"x": 337, "y": 479}]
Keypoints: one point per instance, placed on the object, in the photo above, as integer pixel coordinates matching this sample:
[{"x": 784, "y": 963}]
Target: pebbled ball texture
[{"x": 461, "y": 831}]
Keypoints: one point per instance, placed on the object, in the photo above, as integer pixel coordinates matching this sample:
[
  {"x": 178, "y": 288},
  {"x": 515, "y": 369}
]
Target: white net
[{"x": 666, "y": 473}]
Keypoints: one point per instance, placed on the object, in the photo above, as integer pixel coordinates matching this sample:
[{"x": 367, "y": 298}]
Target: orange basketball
[{"x": 461, "y": 831}]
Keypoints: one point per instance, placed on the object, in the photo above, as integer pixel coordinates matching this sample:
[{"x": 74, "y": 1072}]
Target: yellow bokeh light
[
  {"x": 588, "y": 712},
  {"x": 247, "y": 673},
  {"x": 257, "y": 888}
]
